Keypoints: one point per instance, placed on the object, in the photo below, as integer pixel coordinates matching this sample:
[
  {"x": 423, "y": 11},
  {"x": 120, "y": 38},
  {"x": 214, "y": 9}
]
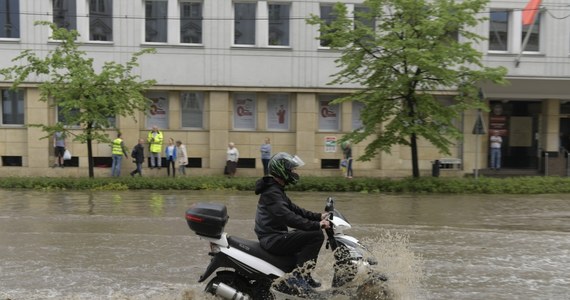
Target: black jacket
[
  {"x": 275, "y": 213},
  {"x": 138, "y": 153}
]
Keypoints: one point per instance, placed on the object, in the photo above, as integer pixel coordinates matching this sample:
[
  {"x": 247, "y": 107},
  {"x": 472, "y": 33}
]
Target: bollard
[{"x": 435, "y": 168}]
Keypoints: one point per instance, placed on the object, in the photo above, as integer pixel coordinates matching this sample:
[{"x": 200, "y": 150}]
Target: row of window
[
  {"x": 192, "y": 111},
  {"x": 247, "y": 19},
  {"x": 505, "y": 29},
  {"x": 506, "y": 32}
]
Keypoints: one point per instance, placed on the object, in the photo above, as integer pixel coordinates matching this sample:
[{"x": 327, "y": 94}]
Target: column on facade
[
  {"x": 306, "y": 124},
  {"x": 219, "y": 129},
  {"x": 39, "y": 153},
  {"x": 475, "y": 147},
  {"x": 550, "y": 134}
]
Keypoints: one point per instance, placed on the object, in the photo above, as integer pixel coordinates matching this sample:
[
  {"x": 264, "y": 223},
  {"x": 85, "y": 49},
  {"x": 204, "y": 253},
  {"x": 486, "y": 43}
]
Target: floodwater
[{"x": 136, "y": 244}]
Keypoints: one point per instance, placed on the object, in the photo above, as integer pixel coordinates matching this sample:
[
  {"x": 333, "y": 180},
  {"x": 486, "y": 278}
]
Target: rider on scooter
[{"x": 276, "y": 212}]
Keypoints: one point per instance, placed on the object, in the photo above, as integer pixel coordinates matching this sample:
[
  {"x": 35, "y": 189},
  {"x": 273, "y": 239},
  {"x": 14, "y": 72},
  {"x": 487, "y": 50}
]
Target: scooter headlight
[{"x": 355, "y": 252}]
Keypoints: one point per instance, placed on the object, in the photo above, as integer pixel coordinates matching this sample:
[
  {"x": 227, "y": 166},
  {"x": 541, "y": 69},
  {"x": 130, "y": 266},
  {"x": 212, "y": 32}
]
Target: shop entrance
[{"x": 517, "y": 122}]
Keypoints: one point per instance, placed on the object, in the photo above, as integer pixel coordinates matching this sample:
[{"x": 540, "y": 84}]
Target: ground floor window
[
  {"x": 12, "y": 107},
  {"x": 192, "y": 109}
]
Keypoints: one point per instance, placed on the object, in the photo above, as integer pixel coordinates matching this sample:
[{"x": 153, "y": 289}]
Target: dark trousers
[
  {"x": 138, "y": 169},
  {"x": 232, "y": 166},
  {"x": 304, "y": 244},
  {"x": 170, "y": 163},
  {"x": 349, "y": 168},
  {"x": 265, "y": 162}
]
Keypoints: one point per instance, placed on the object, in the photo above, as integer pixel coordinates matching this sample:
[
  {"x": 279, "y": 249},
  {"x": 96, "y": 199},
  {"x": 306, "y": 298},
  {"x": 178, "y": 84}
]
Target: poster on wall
[
  {"x": 357, "y": 108},
  {"x": 329, "y": 114},
  {"x": 192, "y": 109},
  {"x": 278, "y": 111},
  {"x": 330, "y": 143},
  {"x": 498, "y": 120},
  {"x": 158, "y": 113},
  {"x": 244, "y": 111}
]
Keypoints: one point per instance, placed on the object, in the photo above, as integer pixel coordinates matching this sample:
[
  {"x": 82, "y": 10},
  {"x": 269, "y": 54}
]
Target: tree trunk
[
  {"x": 413, "y": 137},
  {"x": 414, "y": 147},
  {"x": 89, "y": 151}
]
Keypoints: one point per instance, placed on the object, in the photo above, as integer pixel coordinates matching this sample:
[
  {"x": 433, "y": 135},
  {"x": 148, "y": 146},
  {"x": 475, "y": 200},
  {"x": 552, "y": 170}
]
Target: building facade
[{"x": 241, "y": 71}]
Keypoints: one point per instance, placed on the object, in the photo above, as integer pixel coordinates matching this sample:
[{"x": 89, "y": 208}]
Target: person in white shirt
[
  {"x": 496, "y": 142},
  {"x": 182, "y": 157},
  {"x": 232, "y": 158}
]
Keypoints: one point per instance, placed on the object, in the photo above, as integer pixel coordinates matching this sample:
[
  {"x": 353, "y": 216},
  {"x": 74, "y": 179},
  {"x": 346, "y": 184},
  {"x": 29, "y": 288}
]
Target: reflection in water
[
  {"x": 91, "y": 204},
  {"x": 136, "y": 245},
  {"x": 156, "y": 204}
]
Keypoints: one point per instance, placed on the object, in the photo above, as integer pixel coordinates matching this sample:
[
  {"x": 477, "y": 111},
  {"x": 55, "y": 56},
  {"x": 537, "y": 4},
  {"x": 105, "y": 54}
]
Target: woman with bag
[
  {"x": 59, "y": 148},
  {"x": 232, "y": 158}
]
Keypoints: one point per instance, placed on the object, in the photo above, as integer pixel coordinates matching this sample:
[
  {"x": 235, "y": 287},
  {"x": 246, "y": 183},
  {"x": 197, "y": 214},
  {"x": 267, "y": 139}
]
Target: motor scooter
[{"x": 244, "y": 271}]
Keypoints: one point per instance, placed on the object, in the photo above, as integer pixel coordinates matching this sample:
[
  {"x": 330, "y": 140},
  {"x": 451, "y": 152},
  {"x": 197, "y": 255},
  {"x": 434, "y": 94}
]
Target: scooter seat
[{"x": 285, "y": 263}]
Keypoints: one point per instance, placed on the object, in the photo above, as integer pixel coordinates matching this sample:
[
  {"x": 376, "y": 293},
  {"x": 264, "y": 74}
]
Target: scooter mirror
[{"x": 329, "y": 207}]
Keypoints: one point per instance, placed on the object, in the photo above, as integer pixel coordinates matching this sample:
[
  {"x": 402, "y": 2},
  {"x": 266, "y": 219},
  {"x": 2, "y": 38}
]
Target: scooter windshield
[{"x": 337, "y": 214}]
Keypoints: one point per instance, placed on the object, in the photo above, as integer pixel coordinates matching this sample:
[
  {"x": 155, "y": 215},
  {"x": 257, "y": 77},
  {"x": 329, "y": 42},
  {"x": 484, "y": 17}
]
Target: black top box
[{"x": 207, "y": 219}]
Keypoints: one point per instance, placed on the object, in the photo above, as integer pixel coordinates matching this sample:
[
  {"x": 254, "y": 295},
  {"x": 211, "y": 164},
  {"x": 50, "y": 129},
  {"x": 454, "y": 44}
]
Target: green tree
[
  {"x": 84, "y": 97},
  {"x": 401, "y": 52}
]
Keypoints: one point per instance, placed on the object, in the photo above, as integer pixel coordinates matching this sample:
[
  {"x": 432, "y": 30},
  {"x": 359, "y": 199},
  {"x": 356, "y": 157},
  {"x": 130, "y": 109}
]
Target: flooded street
[{"x": 136, "y": 244}]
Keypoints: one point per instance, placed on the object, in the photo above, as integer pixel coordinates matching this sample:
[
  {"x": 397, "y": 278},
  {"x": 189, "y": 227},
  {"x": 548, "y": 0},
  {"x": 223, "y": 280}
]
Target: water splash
[
  {"x": 396, "y": 261},
  {"x": 399, "y": 263}
]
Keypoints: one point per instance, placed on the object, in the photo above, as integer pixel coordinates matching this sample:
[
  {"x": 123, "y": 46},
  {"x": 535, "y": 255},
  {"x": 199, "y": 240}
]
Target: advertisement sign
[
  {"x": 329, "y": 114},
  {"x": 498, "y": 120},
  {"x": 278, "y": 111},
  {"x": 158, "y": 113},
  {"x": 330, "y": 143},
  {"x": 244, "y": 111}
]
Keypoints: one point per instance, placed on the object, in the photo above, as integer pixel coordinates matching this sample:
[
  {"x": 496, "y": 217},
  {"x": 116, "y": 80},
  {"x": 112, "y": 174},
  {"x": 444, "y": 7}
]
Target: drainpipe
[
  {"x": 567, "y": 162},
  {"x": 545, "y": 163}
]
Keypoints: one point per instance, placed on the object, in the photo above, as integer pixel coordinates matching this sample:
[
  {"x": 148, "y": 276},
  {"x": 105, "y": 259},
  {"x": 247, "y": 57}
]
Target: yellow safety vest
[
  {"x": 156, "y": 145},
  {"x": 117, "y": 148}
]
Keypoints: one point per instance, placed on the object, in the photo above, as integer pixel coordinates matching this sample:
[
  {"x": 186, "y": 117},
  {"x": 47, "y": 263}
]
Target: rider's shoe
[{"x": 297, "y": 286}]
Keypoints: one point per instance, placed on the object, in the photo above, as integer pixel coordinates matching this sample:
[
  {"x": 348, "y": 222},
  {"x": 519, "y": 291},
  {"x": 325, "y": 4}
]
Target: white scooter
[{"x": 243, "y": 270}]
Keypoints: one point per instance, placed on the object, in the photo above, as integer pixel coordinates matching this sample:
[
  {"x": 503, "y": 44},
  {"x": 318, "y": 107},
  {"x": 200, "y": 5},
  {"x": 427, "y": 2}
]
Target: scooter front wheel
[{"x": 239, "y": 287}]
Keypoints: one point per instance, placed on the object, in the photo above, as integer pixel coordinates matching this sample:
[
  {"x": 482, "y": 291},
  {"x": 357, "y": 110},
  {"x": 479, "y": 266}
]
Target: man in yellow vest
[
  {"x": 155, "y": 146},
  {"x": 118, "y": 149}
]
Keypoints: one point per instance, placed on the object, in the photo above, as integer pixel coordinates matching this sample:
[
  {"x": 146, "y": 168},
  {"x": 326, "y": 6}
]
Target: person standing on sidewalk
[
  {"x": 496, "y": 142},
  {"x": 118, "y": 150},
  {"x": 347, "y": 152},
  {"x": 138, "y": 157},
  {"x": 59, "y": 148},
  {"x": 232, "y": 158},
  {"x": 265, "y": 155},
  {"x": 170, "y": 154},
  {"x": 181, "y": 157},
  {"x": 155, "y": 139}
]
